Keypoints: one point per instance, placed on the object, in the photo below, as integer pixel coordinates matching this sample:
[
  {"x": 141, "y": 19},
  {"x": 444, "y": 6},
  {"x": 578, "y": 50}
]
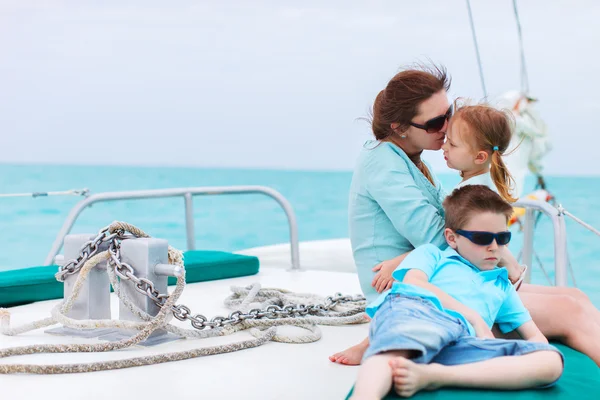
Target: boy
[{"x": 432, "y": 328}]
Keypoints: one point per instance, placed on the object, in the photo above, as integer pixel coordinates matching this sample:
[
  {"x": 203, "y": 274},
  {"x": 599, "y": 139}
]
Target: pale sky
[{"x": 271, "y": 84}]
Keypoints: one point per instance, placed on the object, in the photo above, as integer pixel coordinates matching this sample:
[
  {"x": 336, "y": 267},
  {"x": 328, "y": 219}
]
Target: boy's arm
[
  {"x": 419, "y": 278},
  {"x": 529, "y": 331},
  {"x": 514, "y": 316}
]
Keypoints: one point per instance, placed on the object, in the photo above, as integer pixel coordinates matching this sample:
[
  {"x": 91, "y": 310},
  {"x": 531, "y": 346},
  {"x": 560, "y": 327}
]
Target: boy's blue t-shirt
[{"x": 489, "y": 293}]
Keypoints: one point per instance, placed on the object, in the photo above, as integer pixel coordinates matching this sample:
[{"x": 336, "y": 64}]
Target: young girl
[{"x": 476, "y": 139}]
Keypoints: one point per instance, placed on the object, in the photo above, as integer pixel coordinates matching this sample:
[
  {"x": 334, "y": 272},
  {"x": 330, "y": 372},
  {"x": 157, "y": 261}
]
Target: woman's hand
[{"x": 383, "y": 279}]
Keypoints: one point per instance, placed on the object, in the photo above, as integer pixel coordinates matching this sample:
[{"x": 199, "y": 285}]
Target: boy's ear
[
  {"x": 450, "y": 237},
  {"x": 481, "y": 157}
]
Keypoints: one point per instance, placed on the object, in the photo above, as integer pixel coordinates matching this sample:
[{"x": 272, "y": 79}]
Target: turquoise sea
[{"x": 235, "y": 222}]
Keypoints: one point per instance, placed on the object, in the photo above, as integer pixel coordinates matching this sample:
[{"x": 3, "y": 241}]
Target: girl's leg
[
  {"x": 374, "y": 379},
  {"x": 509, "y": 372},
  {"x": 352, "y": 355},
  {"x": 563, "y": 318}
]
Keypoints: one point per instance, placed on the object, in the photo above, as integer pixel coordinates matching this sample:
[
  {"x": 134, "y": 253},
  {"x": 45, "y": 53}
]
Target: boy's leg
[
  {"x": 489, "y": 363},
  {"x": 402, "y": 327},
  {"x": 509, "y": 372},
  {"x": 374, "y": 379}
]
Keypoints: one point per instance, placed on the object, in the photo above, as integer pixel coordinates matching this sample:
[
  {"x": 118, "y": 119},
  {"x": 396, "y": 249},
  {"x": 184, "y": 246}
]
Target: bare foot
[
  {"x": 352, "y": 355},
  {"x": 409, "y": 377}
]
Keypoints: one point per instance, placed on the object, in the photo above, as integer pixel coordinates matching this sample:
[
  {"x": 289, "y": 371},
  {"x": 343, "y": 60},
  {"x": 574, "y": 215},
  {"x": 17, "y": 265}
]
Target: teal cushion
[
  {"x": 207, "y": 265},
  {"x": 28, "y": 285},
  {"x": 580, "y": 380}
]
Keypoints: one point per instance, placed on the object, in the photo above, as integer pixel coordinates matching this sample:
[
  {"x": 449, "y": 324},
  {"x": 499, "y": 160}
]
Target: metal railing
[
  {"x": 561, "y": 258},
  {"x": 187, "y": 194}
]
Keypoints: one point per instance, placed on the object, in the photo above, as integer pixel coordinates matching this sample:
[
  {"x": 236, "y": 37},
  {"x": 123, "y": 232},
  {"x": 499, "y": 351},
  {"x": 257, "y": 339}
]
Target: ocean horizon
[{"x": 236, "y": 222}]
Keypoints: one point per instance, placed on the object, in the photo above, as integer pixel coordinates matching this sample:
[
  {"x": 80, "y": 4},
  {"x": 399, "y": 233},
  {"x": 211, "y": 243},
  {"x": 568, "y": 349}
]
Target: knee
[
  {"x": 553, "y": 368},
  {"x": 572, "y": 315},
  {"x": 570, "y": 307},
  {"x": 577, "y": 293}
]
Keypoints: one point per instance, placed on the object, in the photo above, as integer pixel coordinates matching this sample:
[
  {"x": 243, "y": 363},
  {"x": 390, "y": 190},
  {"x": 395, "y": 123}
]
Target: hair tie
[{"x": 495, "y": 148}]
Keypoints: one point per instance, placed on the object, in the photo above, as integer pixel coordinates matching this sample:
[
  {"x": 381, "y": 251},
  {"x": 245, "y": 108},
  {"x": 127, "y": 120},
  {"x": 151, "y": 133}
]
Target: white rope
[
  {"x": 263, "y": 330},
  {"x": 72, "y": 192},
  {"x": 585, "y": 225}
]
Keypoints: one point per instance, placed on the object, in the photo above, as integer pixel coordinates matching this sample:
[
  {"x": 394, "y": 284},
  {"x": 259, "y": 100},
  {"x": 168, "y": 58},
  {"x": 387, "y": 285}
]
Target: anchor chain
[{"x": 146, "y": 287}]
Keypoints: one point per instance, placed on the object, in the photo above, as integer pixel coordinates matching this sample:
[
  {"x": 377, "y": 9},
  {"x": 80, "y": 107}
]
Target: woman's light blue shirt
[{"x": 393, "y": 208}]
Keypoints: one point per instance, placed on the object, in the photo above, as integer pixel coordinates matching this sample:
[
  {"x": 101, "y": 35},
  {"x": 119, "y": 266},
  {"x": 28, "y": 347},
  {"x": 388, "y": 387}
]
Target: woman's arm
[
  {"x": 391, "y": 185},
  {"x": 383, "y": 279}
]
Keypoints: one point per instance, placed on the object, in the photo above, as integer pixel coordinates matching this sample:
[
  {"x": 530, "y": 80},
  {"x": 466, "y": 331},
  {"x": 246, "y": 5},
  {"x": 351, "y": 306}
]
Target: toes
[
  {"x": 401, "y": 380},
  {"x": 399, "y": 362},
  {"x": 404, "y": 390},
  {"x": 405, "y": 393},
  {"x": 400, "y": 372}
]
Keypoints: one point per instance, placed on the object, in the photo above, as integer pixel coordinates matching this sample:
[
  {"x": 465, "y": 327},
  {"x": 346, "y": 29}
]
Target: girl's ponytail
[{"x": 501, "y": 176}]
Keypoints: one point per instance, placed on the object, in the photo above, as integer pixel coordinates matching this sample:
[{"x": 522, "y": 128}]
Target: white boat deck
[
  {"x": 319, "y": 255},
  {"x": 272, "y": 371}
]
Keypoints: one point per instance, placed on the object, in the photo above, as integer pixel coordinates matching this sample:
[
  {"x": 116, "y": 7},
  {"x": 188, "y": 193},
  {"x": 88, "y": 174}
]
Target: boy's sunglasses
[
  {"x": 434, "y": 125},
  {"x": 486, "y": 238}
]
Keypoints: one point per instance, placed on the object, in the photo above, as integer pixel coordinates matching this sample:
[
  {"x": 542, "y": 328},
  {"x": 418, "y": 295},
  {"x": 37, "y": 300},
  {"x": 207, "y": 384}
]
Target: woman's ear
[
  {"x": 450, "y": 238},
  {"x": 481, "y": 157},
  {"x": 395, "y": 126}
]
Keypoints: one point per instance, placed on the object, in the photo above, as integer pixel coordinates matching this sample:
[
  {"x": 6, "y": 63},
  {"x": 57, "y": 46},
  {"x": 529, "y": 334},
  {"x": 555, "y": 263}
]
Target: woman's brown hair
[
  {"x": 400, "y": 100},
  {"x": 490, "y": 130}
]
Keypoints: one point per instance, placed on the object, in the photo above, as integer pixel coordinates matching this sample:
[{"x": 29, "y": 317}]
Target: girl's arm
[{"x": 508, "y": 261}]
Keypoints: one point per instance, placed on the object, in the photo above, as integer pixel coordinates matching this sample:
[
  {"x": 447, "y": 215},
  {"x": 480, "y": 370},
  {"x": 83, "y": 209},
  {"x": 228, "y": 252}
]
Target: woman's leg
[
  {"x": 563, "y": 318},
  {"x": 578, "y": 294},
  {"x": 509, "y": 372},
  {"x": 352, "y": 355}
]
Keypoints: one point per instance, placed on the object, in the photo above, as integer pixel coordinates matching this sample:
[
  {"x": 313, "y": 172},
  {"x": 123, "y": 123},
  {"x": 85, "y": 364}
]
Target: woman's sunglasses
[
  {"x": 486, "y": 238},
  {"x": 434, "y": 125}
]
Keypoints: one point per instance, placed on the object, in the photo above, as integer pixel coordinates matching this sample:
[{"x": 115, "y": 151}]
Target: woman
[{"x": 396, "y": 205}]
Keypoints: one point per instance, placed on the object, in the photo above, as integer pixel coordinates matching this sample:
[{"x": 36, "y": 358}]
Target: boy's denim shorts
[{"x": 413, "y": 323}]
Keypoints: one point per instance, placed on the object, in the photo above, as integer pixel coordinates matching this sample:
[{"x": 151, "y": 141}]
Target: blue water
[{"x": 29, "y": 225}]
